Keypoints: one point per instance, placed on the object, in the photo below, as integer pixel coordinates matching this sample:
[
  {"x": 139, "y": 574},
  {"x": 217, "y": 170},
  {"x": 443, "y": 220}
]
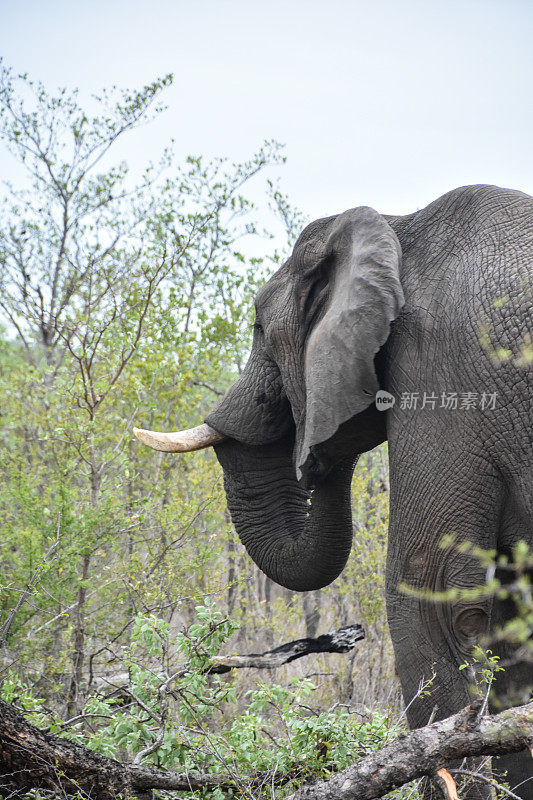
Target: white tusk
[{"x": 180, "y": 441}]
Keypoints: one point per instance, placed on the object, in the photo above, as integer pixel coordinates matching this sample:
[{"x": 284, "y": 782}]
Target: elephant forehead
[
  {"x": 275, "y": 291},
  {"x": 310, "y": 244}
]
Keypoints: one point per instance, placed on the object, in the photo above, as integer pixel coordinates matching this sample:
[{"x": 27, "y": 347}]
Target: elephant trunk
[{"x": 300, "y": 539}]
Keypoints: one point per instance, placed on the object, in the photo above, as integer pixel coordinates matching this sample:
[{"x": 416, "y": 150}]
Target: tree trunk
[
  {"x": 78, "y": 656},
  {"x": 311, "y": 608},
  {"x": 232, "y": 574}
]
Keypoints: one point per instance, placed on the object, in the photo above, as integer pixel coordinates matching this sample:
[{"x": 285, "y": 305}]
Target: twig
[
  {"x": 478, "y": 776},
  {"x": 207, "y": 386}
]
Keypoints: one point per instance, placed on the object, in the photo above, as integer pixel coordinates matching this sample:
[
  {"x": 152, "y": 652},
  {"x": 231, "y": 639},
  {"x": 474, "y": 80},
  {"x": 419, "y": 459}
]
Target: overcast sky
[{"x": 388, "y": 104}]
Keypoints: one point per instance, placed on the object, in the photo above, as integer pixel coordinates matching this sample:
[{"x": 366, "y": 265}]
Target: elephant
[{"x": 431, "y": 315}]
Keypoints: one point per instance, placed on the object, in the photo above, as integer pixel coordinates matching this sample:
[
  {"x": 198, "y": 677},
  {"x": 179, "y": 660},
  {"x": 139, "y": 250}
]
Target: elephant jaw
[
  {"x": 180, "y": 441},
  {"x": 305, "y": 542}
]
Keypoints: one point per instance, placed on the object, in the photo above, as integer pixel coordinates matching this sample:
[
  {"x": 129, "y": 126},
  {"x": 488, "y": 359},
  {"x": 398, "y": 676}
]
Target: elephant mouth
[
  {"x": 316, "y": 468},
  {"x": 320, "y": 462},
  {"x": 297, "y": 530}
]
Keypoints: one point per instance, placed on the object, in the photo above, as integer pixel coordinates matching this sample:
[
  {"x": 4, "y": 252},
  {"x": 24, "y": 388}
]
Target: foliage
[
  {"x": 126, "y": 297},
  {"x": 168, "y": 719}
]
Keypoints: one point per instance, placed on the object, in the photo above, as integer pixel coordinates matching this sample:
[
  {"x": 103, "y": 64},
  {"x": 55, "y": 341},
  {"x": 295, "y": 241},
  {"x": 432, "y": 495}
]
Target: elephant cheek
[{"x": 255, "y": 410}]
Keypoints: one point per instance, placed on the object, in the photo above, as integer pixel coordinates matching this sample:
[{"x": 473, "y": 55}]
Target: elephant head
[{"x": 289, "y": 431}]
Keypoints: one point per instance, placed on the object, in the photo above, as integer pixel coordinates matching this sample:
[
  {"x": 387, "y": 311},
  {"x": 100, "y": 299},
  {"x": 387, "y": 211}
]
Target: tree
[{"x": 104, "y": 279}]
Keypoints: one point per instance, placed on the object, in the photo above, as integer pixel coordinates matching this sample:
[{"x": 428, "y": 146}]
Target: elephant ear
[{"x": 363, "y": 257}]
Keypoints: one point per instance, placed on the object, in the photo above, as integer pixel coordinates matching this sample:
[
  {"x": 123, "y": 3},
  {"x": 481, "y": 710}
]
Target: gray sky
[{"x": 388, "y": 104}]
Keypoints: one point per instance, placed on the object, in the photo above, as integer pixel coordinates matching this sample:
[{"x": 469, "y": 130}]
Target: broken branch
[{"x": 339, "y": 641}]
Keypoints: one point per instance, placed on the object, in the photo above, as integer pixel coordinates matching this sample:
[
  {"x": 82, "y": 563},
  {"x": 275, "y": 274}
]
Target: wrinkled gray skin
[{"x": 402, "y": 303}]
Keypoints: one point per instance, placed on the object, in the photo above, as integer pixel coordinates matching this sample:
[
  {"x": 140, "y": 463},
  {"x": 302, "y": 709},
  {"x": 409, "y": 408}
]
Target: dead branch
[
  {"x": 340, "y": 641},
  {"x": 425, "y": 751}
]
